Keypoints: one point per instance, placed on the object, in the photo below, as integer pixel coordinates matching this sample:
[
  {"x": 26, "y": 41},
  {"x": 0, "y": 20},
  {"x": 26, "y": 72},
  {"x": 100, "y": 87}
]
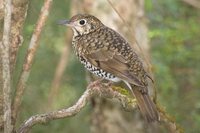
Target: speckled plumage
[
  {"x": 107, "y": 54},
  {"x": 105, "y": 39}
]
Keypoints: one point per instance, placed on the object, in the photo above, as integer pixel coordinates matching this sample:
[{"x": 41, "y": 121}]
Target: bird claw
[
  {"x": 95, "y": 83},
  {"x": 110, "y": 83}
]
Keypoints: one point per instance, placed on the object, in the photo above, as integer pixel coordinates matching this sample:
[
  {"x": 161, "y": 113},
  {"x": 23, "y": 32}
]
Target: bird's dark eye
[{"x": 82, "y": 22}]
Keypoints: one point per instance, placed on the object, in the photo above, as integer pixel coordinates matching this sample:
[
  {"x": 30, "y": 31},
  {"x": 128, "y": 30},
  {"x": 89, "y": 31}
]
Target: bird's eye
[{"x": 82, "y": 21}]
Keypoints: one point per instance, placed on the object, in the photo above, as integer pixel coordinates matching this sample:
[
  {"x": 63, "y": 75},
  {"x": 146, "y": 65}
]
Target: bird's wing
[{"x": 114, "y": 63}]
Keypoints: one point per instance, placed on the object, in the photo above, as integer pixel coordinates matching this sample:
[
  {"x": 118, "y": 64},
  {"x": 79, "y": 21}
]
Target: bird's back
[{"x": 104, "y": 44}]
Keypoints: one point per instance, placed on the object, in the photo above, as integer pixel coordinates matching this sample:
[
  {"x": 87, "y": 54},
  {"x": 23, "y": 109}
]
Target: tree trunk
[{"x": 19, "y": 8}]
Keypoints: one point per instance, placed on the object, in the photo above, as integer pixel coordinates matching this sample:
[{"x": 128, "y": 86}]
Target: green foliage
[{"x": 174, "y": 33}]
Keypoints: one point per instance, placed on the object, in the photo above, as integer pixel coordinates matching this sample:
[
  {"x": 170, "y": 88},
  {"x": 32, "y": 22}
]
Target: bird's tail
[{"x": 146, "y": 105}]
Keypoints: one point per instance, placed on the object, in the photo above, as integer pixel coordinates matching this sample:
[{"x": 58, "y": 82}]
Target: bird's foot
[
  {"x": 110, "y": 83},
  {"x": 95, "y": 83}
]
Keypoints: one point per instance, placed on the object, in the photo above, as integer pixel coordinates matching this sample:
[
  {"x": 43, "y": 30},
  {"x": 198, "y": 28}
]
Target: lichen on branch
[{"x": 94, "y": 89}]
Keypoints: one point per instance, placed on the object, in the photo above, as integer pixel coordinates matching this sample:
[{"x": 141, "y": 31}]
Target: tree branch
[
  {"x": 19, "y": 13},
  {"x": 4, "y": 50},
  {"x": 94, "y": 89},
  {"x": 169, "y": 121},
  {"x": 30, "y": 57},
  {"x": 100, "y": 90}
]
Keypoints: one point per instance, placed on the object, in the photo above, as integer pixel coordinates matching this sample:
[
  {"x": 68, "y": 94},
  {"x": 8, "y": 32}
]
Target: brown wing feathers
[
  {"x": 118, "y": 66},
  {"x": 114, "y": 64}
]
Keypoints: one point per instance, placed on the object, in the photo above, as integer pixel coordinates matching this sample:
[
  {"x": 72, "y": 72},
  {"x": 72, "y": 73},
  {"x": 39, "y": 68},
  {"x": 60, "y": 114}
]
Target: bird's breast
[{"x": 98, "y": 71}]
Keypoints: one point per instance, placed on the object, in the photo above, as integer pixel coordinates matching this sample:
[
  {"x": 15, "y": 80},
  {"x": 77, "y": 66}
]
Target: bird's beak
[{"x": 64, "y": 22}]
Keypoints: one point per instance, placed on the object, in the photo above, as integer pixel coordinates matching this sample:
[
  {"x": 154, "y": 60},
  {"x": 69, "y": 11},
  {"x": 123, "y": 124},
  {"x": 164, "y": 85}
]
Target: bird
[{"x": 107, "y": 54}]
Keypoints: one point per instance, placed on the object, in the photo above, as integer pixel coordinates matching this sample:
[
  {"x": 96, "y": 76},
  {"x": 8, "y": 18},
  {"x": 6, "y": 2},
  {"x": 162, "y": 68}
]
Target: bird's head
[{"x": 82, "y": 24}]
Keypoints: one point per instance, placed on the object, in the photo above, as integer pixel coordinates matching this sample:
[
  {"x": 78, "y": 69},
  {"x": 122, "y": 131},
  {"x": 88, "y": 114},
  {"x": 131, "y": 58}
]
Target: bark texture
[
  {"x": 94, "y": 89},
  {"x": 4, "y": 55},
  {"x": 19, "y": 8}
]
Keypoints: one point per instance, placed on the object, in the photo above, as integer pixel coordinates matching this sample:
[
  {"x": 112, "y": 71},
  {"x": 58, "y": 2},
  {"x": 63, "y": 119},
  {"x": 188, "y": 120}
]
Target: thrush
[{"x": 107, "y": 54}]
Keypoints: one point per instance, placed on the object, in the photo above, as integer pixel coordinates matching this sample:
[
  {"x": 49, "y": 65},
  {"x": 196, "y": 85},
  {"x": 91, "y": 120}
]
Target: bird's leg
[
  {"x": 98, "y": 81},
  {"x": 95, "y": 83},
  {"x": 110, "y": 83}
]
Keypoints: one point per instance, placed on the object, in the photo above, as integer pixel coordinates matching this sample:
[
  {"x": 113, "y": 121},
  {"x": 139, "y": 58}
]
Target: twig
[
  {"x": 94, "y": 89},
  {"x": 4, "y": 50},
  {"x": 169, "y": 121},
  {"x": 29, "y": 57}
]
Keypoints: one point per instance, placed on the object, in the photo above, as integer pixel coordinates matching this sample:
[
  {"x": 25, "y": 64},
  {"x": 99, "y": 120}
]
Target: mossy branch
[
  {"x": 99, "y": 89},
  {"x": 94, "y": 89}
]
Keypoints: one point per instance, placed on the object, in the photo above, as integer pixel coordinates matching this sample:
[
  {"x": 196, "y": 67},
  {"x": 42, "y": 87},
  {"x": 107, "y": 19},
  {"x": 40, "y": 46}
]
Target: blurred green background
[{"x": 174, "y": 33}]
